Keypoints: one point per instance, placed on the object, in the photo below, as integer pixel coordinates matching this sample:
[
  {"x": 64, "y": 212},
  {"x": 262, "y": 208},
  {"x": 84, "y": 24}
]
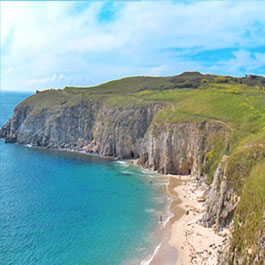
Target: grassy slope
[
  {"x": 236, "y": 103},
  {"x": 249, "y": 225}
]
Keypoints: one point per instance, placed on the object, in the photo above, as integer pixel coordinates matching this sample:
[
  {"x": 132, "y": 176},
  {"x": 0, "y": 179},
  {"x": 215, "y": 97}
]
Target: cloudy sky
[{"x": 54, "y": 44}]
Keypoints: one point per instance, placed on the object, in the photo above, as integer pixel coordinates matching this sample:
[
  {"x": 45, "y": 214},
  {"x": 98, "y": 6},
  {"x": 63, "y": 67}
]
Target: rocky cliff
[
  {"x": 114, "y": 132},
  {"x": 177, "y": 148},
  {"x": 205, "y": 125}
]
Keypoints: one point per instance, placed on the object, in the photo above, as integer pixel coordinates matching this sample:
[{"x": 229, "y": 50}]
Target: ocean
[{"x": 68, "y": 208}]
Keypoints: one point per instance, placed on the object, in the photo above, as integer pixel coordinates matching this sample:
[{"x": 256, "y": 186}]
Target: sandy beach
[{"x": 184, "y": 240}]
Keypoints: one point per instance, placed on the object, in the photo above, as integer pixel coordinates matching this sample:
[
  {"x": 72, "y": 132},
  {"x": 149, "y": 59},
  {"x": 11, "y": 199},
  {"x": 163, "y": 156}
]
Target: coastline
[
  {"x": 183, "y": 240},
  {"x": 186, "y": 242}
]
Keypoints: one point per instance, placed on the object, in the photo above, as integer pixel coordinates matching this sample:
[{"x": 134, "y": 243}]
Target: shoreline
[
  {"x": 167, "y": 254},
  {"x": 187, "y": 242},
  {"x": 183, "y": 240}
]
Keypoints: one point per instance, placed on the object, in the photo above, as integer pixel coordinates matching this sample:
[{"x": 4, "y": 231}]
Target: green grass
[
  {"x": 249, "y": 225},
  {"x": 237, "y": 105},
  {"x": 241, "y": 163}
]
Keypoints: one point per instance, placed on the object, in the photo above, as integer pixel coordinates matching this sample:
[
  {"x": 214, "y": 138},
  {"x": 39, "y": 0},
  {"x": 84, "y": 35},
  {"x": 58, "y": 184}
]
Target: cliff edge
[{"x": 210, "y": 126}]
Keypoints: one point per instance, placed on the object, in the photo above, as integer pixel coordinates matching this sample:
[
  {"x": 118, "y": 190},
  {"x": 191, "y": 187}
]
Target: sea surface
[{"x": 67, "y": 208}]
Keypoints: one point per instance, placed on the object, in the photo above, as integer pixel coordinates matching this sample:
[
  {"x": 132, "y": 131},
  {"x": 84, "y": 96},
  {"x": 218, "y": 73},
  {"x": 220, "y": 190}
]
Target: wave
[
  {"x": 122, "y": 163},
  {"x": 127, "y": 173},
  {"x": 148, "y": 260},
  {"x": 169, "y": 216},
  {"x": 149, "y": 210}
]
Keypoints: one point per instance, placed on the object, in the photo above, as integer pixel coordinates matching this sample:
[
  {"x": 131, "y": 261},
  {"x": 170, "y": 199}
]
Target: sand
[{"x": 185, "y": 241}]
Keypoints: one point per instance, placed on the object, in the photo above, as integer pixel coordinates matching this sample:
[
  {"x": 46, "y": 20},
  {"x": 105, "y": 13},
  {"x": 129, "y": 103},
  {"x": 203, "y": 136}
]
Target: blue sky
[{"x": 55, "y": 44}]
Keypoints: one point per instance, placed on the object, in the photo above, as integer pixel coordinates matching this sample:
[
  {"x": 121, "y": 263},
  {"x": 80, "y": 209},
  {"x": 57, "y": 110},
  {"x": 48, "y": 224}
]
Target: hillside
[{"x": 210, "y": 126}]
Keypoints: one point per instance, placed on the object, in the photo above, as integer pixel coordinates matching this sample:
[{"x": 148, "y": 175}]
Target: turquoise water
[{"x": 66, "y": 208}]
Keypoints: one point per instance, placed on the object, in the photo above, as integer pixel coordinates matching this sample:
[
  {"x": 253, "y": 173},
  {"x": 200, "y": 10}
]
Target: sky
[{"x": 56, "y": 44}]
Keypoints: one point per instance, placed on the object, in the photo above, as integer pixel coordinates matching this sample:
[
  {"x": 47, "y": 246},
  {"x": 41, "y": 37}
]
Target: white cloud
[
  {"x": 158, "y": 70},
  {"x": 49, "y": 26},
  {"x": 243, "y": 62},
  {"x": 46, "y": 80},
  {"x": 42, "y": 38},
  {"x": 9, "y": 70}
]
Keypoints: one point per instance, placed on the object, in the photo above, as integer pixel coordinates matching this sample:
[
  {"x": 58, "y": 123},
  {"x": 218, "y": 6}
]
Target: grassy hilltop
[{"x": 236, "y": 103}]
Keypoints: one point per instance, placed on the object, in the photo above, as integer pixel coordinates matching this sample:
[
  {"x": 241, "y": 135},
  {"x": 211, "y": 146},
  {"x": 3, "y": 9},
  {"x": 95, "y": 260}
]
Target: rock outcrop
[
  {"x": 221, "y": 201},
  {"x": 144, "y": 118},
  {"x": 110, "y": 131},
  {"x": 176, "y": 148}
]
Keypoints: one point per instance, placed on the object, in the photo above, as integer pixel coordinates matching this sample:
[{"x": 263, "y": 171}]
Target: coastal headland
[{"x": 206, "y": 126}]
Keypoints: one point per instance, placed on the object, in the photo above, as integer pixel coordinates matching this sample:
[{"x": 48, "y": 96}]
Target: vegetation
[
  {"x": 249, "y": 222},
  {"x": 241, "y": 163},
  {"x": 236, "y": 104}
]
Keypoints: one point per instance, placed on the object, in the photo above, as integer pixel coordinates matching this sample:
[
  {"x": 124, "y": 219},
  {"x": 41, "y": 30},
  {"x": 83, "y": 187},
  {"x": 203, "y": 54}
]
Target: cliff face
[
  {"x": 65, "y": 127},
  {"x": 177, "y": 148},
  {"x": 221, "y": 201},
  {"x": 119, "y": 132},
  {"x": 93, "y": 128},
  {"x": 205, "y": 125},
  {"x": 239, "y": 205},
  {"x": 115, "y": 132}
]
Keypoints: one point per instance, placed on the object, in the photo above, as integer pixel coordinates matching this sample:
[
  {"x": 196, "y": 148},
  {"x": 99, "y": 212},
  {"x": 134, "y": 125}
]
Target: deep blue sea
[{"x": 66, "y": 208}]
